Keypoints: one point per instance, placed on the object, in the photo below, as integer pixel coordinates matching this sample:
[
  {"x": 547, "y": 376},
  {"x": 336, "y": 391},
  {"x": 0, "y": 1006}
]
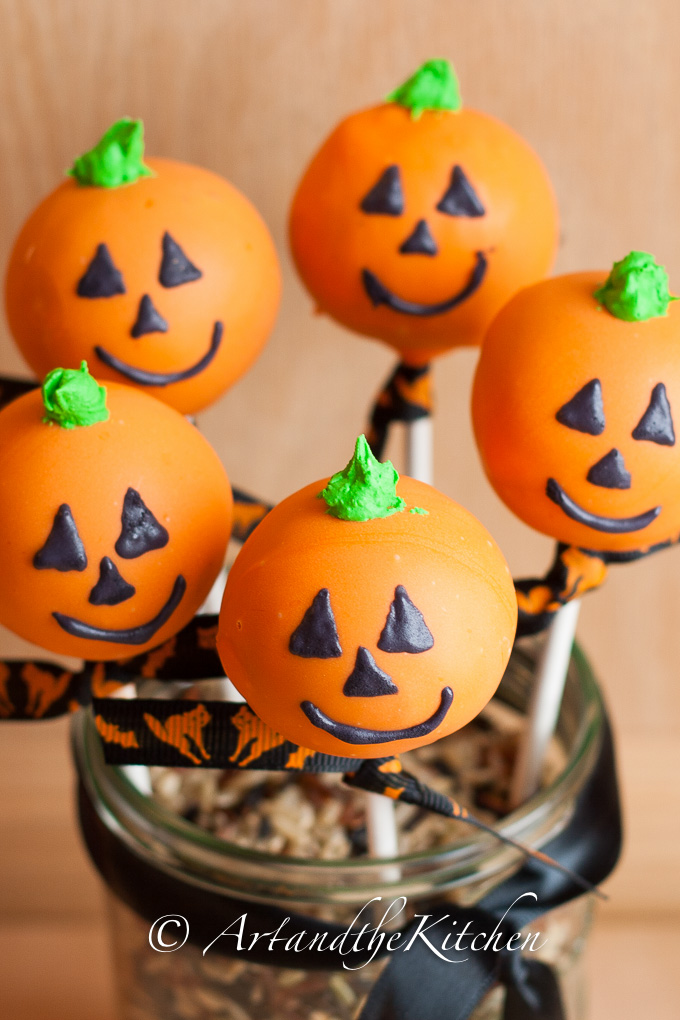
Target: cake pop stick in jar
[
  {"x": 159, "y": 273},
  {"x": 415, "y": 222},
  {"x": 115, "y": 515},
  {"x": 573, "y": 415}
]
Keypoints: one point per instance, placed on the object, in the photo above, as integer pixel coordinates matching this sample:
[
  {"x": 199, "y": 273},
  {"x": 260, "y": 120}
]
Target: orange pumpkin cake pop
[
  {"x": 573, "y": 405},
  {"x": 364, "y": 617},
  {"x": 417, "y": 219},
  {"x": 115, "y": 515},
  {"x": 161, "y": 275}
]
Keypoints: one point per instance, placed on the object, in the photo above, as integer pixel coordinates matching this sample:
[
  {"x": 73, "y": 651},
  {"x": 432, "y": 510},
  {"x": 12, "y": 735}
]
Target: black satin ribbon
[{"x": 419, "y": 986}]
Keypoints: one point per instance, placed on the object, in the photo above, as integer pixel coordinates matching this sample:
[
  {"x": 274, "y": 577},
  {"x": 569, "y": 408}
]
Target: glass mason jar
[{"x": 153, "y": 860}]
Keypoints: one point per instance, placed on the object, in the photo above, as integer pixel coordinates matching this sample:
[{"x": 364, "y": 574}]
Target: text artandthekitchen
[{"x": 170, "y": 932}]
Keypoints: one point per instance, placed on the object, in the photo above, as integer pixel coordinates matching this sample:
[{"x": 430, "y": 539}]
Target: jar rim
[{"x": 183, "y": 849}]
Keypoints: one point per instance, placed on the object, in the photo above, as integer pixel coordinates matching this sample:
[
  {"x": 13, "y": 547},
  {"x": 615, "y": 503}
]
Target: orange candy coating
[
  {"x": 333, "y": 240},
  {"x": 548, "y": 343},
  {"x": 453, "y": 573},
  {"x": 218, "y": 230},
  {"x": 146, "y": 446}
]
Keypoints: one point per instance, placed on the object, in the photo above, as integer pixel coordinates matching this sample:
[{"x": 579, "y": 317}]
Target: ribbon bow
[
  {"x": 418, "y": 985},
  {"x": 422, "y": 986}
]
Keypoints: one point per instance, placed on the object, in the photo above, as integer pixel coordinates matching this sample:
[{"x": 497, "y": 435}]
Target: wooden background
[{"x": 249, "y": 88}]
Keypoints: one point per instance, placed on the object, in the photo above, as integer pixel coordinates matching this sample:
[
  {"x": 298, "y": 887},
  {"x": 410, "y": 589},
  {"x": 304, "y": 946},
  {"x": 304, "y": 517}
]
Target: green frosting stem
[
  {"x": 365, "y": 489},
  {"x": 434, "y": 86},
  {"x": 72, "y": 398},
  {"x": 116, "y": 158},
  {"x": 636, "y": 289}
]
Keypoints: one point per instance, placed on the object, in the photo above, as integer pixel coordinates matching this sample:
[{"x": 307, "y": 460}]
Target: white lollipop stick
[
  {"x": 544, "y": 705},
  {"x": 419, "y": 455},
  {"x": 381, "y": 822},
  {"x": 381, "y": 827}
]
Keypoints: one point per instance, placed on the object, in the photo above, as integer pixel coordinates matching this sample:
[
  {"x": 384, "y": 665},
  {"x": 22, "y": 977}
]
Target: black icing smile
[
  {"x": 357, "y": 735},
  {"x": 133, "y": 635},
  {"x": 145, "y": 378},
  {"x": 611, "y": 525},
  {"x": 379, "y": 294}
]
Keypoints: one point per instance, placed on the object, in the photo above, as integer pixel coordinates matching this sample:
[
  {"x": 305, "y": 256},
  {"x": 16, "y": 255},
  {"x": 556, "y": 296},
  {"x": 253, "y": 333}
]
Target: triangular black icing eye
[
  {"x": 585, "y": 411},
  {"x": 405, "y": 629},
  {"x": 101, "y": 278},
  {"x": 656, "y": 424},
  {"x": 460, "y": 198},
  {"x": 386, "y": 197},
  {"x": 176, "y": 268},
  {"x": 140, "y": 531},
  {"x": 63, "y": 549},
  {"x": 316, "y": 637}
]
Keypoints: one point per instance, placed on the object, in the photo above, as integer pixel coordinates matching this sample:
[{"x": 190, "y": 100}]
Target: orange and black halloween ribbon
[
  {"x": 200, "y": 734},
  {"x": 220, "y": 734},
  {"x": 405, "y": 397},
  {"x": 43, "y": 690},
  {"x": 573, "y": 573},
  {"x": 40, "y": 690},
  {"x": 248, "y": 512},
  {"x": 387, "y": 776}
]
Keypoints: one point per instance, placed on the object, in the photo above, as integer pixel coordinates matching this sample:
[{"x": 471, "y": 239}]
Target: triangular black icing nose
[
  {"x": 610, "y": 472},
  {"x": 149, "y": 319},
  {"x": 111, "y": 589},
  {"x": 367, "y": 680},
  {"x": 420, "y": 241}
]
